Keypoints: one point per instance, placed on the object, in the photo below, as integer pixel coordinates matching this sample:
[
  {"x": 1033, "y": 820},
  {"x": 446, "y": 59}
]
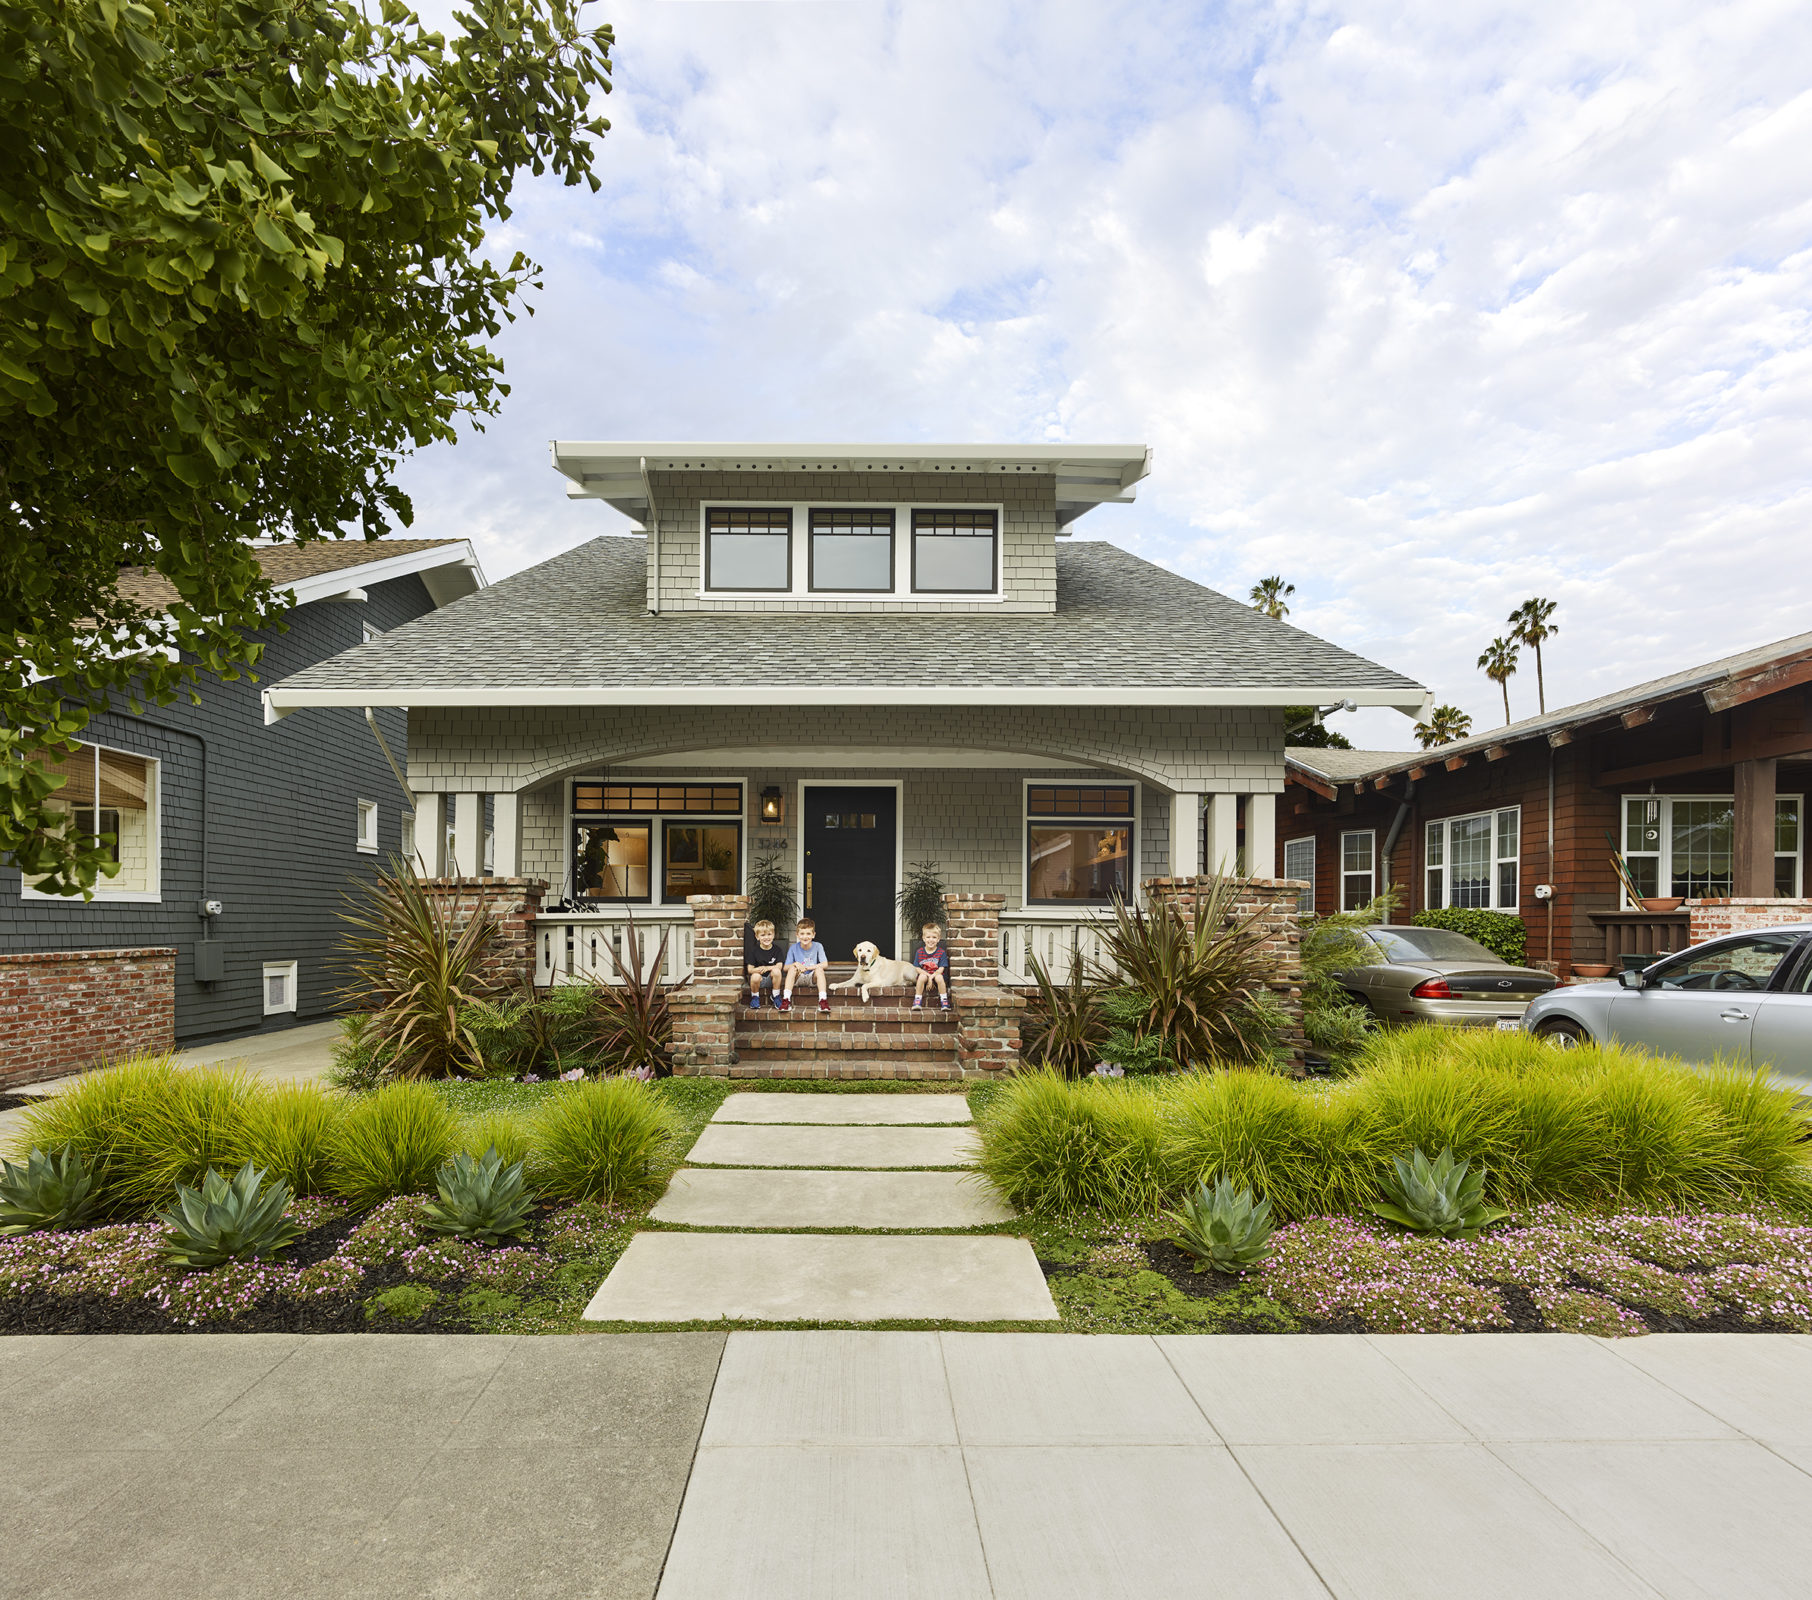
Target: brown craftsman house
[{"x": 1699, "y": 779}]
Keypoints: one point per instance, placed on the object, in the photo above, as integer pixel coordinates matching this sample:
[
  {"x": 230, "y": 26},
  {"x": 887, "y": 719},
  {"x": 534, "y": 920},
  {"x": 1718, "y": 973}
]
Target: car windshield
[{"x": 1429, "y": 944}]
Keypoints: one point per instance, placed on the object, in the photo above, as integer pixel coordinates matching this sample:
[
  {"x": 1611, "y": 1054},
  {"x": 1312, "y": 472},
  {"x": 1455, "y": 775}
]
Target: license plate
[{"x": 1509, "y": 1024}]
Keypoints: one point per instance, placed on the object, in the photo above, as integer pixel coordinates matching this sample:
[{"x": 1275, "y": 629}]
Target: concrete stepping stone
[
  {"x": 745, "y": 1145},
  {"x": 790, "y": 1277},
  {"x": 892, "y": 1110},
  {"x": 737, "y": 1197}
]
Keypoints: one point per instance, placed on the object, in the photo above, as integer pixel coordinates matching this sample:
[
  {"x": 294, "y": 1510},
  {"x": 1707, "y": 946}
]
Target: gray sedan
[
  {"x": 1744, "y": 999},
  {"x": 1435, "y": 975}
]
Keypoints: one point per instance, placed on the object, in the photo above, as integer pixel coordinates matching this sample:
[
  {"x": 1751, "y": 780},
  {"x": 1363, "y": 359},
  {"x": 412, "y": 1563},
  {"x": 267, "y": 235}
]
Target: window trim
[
  {"x": 1305, "y": 904},
  {"x": 811, "y": 549},
  {"x": 1445, "y": 865},
  {"x": 154, "y": 846},
  {"x": 912, "y": 537},
  {"x": 656, "y": 821},
  {"x": 368, "y": 841},
  {"x": 289, "y": 970},
  {"x": 1665, "y": 854},
  {"x": 1087, "y": 780},
  {"x": 705, "y": 531},
  {"x": 1371, "y": 872}
]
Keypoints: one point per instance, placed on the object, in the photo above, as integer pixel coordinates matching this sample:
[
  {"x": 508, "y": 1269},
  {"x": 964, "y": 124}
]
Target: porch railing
[
  {"x": 577, "y": 947},
  {"x": 1644, "y": 933},
  {"x": 1058, "y": 941}
]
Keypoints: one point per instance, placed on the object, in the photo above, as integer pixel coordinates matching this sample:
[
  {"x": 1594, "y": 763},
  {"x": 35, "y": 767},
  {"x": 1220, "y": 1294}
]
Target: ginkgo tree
[{"x": 243, "y": 272}]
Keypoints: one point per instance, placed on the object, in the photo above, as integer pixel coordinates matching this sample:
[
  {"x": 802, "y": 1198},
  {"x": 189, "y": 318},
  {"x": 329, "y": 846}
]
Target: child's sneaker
[
  {"x": 823, "y": 1004},
  {"x": 918, "y": 1002},
  {"x": 755, "y": 1001},
  {"x": 783, "y": 1004},
  {"x": 943, "y": 1002}
]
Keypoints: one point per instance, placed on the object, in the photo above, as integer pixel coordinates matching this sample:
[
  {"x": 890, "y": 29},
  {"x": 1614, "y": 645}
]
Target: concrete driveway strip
[
  {"x": 891, "y": 1110},
  {"x": 729, "y": 1144}
]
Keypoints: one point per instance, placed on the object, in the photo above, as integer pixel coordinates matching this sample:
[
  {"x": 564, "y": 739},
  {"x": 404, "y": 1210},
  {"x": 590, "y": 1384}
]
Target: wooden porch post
[
  {"x": 1752, "y": 843},
  {"x": 431, "y": 834},
  {"x": 1185, "y": 835}
]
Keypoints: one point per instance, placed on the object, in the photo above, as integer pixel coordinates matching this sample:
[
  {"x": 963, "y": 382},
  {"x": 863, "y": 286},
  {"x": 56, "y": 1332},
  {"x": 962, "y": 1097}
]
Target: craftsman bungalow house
[
  {"x": 1698, "y": 779},
  {"x": 853, "y": 658}
]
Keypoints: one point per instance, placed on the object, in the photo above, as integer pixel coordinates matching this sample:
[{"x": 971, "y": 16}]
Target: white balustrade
[
  {"x": 1058, "y": 942},
  {"x": 588, "y": 946}
]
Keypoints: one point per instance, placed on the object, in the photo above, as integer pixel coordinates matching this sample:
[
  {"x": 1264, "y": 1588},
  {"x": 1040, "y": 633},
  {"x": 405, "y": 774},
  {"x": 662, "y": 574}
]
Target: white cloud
[{"x": 1429, "y": 307}]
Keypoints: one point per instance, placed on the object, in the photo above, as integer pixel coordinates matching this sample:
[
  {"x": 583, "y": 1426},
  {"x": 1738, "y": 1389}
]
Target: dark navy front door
[{"x": 850, "y": 852}]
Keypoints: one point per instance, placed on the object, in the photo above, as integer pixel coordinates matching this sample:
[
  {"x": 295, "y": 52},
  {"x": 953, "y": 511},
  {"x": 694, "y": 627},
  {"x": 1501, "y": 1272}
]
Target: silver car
[
  {"x": 1744, "y": 999},
  {"x": 1435, "y": 975}
]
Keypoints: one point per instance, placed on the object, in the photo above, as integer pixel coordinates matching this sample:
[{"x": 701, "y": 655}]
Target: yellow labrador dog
[{"x": 876, "y": 971}]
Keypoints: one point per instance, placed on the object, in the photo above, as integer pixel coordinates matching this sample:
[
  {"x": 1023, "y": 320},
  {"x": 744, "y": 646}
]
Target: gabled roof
[
  {"x": 1721, "y": 683},
  {"x": 317, "y": 570},
  {"x": 1087, "y": 475},
  {"x": 576, "y": 631}
]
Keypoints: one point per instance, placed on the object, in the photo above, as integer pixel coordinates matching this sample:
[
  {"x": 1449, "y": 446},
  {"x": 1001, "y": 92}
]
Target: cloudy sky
[{"x": 1428, "y": 307}]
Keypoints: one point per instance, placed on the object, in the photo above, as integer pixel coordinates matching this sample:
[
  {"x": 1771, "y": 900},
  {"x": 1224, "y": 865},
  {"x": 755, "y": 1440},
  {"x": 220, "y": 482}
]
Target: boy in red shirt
[{"x": 933, "y": 962}]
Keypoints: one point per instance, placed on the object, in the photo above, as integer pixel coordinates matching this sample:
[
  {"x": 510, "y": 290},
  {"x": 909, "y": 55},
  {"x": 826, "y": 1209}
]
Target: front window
[
  {"x": 1687, "y": 843},
  {"x": 1079, "y": 843},
  {"x": 622, "y": 830},
  {"x": 953, "y": 552},
  {"x": 749, "y": 548},
  {"x": 1474, "y": 862},
  {"x": 111, "y": 797},
  {"x": 1299, "y": 862},
  {"x": 1358, "y": 870},
  {"x": 852, "y": 552}
]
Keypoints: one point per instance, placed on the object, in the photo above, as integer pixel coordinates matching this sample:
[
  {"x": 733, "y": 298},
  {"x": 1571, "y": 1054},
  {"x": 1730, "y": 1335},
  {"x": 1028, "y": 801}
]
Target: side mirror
[{"x": 1632, "y": 980}]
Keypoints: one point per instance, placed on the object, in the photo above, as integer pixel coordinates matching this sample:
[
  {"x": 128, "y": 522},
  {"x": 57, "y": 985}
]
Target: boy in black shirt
[{"x": 763, "y": 960}]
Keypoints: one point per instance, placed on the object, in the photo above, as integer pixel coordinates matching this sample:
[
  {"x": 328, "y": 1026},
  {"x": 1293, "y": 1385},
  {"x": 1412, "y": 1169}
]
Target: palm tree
[
  {"x": 1529, "y": 625},
  {"x": 1272, "y": 597},
  {"x": 1498, "y": 663},
  {"x": 1444, "y": 725}
]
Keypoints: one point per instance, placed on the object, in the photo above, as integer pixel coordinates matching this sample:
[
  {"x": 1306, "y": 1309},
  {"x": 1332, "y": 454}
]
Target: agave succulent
[
  {"x": 45, "y": 1191},
  {"x": 482, "y": 1199},
  {"x": 1223, "y": 1228},
  {"x": 228, "y": 1221},
  {"x": 1442, "y": 1196}
]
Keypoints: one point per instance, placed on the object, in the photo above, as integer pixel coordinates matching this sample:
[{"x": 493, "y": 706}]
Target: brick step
[
  {"x": 849, "y": 1004},
  {"x": 846, "y": 1043},
  {"x": 815, "y": 1021},
  {"x": 847, "y": 1069}
]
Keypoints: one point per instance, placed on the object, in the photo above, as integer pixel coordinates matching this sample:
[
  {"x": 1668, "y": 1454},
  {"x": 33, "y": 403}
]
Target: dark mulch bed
[
  {"x": 1179, "y": 1268},
  {"x": 17, "y": 1102}
]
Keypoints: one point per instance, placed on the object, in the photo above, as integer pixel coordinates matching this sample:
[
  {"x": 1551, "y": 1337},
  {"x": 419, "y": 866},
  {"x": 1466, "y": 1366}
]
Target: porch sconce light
[{"x": 773, "y": 807}]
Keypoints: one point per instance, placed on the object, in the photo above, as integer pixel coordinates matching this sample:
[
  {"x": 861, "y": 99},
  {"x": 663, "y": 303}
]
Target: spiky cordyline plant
[
  {"x": 1063, "y": 1028},
  {"x": 44, "y": 1191},
  {"x": 632, "y": 1025},
  {"x": 225, "y": 1221},
  {"x": 412, "y": 974}
]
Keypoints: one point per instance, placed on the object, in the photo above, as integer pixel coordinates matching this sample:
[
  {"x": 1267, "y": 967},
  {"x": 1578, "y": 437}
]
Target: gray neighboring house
[
  {"x": 209, "y": 805},
  {"x": 852, "y": 657}
]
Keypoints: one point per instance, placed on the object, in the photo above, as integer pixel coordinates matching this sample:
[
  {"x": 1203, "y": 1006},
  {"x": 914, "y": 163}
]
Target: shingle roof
[
  {"x": 1344, "y": 765},
  {"x": 282, "y": 564},
  {"x": 576, "y": 630}
]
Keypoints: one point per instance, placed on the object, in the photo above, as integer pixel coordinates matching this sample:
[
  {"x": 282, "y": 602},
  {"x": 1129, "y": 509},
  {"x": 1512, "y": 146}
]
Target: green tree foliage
[
  {"x": 1503, "y": 933},
  {"x": 242, "y": 273},
  {"x": 1531, "y": 623},
  {"x": 1271, "y": 596},
  {"x": 1444, "y": 725},
  {"x": 1498, "y": 663},
  {"x": 1304, "y": 730}
]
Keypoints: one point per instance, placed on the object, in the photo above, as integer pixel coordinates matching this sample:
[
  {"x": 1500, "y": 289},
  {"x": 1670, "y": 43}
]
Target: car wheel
[{"x": 1562, "y": 1033}]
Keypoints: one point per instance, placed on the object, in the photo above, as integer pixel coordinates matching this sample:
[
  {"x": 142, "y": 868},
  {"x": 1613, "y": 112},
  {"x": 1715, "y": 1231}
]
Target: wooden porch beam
[
  {"x": 1785, "y": 748},
  {"x": 1495, "y": 752},
  {"x": 1417, "y": 774},
  {"x": 1638, "y": 717},
  {"x": 1559, "y": 737},
  {"x": 1327, "y": 791},
  {"x": 1758, "y": 685},
  {"x": 1454, "y": 763}
]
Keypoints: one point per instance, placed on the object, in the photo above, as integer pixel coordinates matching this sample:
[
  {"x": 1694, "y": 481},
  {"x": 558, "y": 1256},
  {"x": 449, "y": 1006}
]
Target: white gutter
[{"x": 654, "y": 538}]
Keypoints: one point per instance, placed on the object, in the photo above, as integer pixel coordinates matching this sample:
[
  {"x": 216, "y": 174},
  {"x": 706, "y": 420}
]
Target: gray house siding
[{"x": 282, "y": 827}]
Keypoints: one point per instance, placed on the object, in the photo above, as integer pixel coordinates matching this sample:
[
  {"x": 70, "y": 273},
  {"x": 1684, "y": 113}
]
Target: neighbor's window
[
  {"x": 1299, "y": 862},
  {"x": 1079, "y": 843},
  {"x": 851, "y": 551},
  {"x": 368, "y": 827},
  {"x": 749, "y": 548},
  {"x": 408, "y": 839},
  {"x": 1474, "y": 862},
  {"x": 279, "y": 987},
  {"x": 620, "y": 830},
  {"x": 954, "y": 552},
  {"x": 111, "y": 796},
  {"x": 1358, "y": 869},
  {"x": 1687, "y": 842}
]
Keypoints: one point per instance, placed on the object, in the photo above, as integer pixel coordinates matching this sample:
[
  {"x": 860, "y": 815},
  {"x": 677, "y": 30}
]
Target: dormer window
[
  {"x": 749, "y": 549},
  {"x": 954, "y": 552},
  {"x": 852, "y": 551}
]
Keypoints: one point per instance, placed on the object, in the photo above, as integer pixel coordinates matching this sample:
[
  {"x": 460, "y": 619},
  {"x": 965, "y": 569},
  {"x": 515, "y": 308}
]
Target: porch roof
[{"x": 576, "y": 631}]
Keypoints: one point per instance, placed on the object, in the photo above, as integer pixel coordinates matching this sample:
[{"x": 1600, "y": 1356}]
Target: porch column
[
  {"x": 431, "y": 834},
  {"x": 1261, "y": 836},
  {"x": 1223, "y": 836},
  {"x": 506, "y": 835},
  {"x": 1752, "y": 841},
  {"x": 468, "y": 836},
  {"x": 1185, "y": 835}
]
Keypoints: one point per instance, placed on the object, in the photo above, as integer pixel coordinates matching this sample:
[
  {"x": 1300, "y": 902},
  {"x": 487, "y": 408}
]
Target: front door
[{"x": 850, "y": 853}]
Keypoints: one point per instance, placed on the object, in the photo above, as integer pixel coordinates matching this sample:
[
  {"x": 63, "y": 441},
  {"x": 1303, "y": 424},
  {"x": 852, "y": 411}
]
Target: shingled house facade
[
  {"x": 852, "y": 659},
  {"x": 1698, "y": 779}
]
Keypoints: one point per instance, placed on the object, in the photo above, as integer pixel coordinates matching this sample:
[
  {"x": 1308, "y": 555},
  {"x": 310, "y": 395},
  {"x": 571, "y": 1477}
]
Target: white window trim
[
  {"x": 902, "y": 592},
  {"x": 657, "y": 837},
  {"x": 288, "y": 970},
  {"x": 1446, "y": 863},
  {"x": 1665, "y": 853},
  {"x": 1066, "y": 780},
  {"x": 153, "y": 844},
  {"x": 1306, "y": 904},
  {"x": 1371, "y": 872},
  {"x": 368, "y": 840}
]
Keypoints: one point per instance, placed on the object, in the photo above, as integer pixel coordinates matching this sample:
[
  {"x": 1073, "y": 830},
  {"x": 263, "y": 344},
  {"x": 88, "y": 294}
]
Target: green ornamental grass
[
  {"x": 1064, "y": 1147},
  {"x": 504, "y": 1131},
  {"x": 391, "y": 1142},
  {"x": 290, "y": 1131},
  {"x": 602, "y": 1140}
]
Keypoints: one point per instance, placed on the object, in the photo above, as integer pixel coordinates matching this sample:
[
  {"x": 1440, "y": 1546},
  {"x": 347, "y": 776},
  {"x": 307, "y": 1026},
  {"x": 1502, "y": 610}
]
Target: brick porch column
[
  {"x": 1274, "y": 905},
  {"x": 514, "y": 903},
  {"x": 704, "y": 1010},
  {"x": 972, "y": 936},
  {"x": 987, "y": 1015}
]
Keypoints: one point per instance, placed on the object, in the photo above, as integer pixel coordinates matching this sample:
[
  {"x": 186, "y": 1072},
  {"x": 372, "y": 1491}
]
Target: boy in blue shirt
[
  {"x": 806, "y": 955},
  {"x": 933, "y": 962}
]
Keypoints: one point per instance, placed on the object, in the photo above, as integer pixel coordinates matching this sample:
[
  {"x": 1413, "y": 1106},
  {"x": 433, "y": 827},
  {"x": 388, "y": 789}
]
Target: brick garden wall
[
  {"x": 71, "y": 1009},
  {"x": 1712, "y": 919}
]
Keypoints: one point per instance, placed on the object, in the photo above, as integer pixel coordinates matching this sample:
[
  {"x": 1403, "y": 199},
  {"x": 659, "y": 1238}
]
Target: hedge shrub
[{"x": 1503, "y": 933}]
